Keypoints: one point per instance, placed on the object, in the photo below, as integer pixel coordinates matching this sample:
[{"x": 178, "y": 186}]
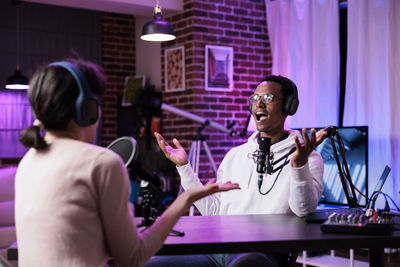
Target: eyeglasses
[{"x": 267, "y": 98}]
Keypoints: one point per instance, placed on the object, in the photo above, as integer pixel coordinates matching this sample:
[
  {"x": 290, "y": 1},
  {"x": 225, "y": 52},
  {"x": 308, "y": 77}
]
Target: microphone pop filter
[{"x": 126, "y": 147}]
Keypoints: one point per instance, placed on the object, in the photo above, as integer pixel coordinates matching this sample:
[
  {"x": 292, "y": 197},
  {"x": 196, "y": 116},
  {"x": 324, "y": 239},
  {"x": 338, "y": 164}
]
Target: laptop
[
  {"x": 382, "y": 180},
  {"x": 322, "y": 215}
]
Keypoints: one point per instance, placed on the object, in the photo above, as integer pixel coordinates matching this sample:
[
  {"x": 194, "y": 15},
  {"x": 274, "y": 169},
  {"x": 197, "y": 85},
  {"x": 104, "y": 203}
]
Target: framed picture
[
  {"x": 174, "y": 62},
  {"x": 219, "y": 68},
  {"x": 131, "y": 87}
]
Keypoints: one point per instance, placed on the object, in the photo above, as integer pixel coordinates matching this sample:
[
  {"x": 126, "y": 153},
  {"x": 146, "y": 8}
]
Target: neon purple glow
[{"x": 17, "y": 86}]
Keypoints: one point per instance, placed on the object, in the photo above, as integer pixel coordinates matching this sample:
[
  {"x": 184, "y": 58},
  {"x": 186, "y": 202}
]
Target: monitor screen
[{"x": 355, "y": 140}]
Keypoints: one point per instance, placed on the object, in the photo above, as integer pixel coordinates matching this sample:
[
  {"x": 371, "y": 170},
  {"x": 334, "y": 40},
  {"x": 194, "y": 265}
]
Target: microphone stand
[
  {"x": 344, "y": 175},
  {"x": 151, "y": 198},
  {"x": 149, "y": 211},
  {"x": 150, "y": 183}
]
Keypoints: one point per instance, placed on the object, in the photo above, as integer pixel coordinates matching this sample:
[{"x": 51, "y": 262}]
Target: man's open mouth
[{"x": 260, "y": 114}]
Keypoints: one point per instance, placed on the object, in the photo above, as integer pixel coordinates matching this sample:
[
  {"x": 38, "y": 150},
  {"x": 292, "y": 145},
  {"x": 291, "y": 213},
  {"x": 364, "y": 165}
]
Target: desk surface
[
  {"x": 260, "y": 233},
  {"x": 252, "y": 233}
]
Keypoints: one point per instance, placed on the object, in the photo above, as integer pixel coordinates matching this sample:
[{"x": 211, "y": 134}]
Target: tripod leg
[
  {"x": 191, "y": 210},
  {"x": 210, "y": 158},
  {"x": 192, "y": 151},
  {"x": 197, "y": 155},
  {"x": 194, "y": 155}
]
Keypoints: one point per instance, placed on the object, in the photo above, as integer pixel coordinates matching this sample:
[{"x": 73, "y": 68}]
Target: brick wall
[
  {"x": 239, "y": 24},
  {"x": 118, "y": 44}
]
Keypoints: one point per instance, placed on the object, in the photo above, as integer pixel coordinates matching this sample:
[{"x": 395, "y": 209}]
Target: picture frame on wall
[
  {"x": 131, "y": 87},
  {"x": 218, "y": 68},
  {"x": 174, "y": 68}
]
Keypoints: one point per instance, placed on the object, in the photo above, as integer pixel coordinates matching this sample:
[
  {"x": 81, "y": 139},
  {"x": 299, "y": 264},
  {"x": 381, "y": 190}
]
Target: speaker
[
  {"x": 86, "y": 105},
  {"x": 291, "y": 101}
]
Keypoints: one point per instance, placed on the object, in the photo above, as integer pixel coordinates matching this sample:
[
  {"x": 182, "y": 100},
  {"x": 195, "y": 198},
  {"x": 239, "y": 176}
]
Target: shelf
[{"x": 330, "y": 261}]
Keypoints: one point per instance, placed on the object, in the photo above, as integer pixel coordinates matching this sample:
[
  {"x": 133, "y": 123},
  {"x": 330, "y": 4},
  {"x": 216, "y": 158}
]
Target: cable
[
  {"x": 391, "y": 199},
  {"x": 372, "y": 199},
  {"x": 375, "y": 196},
  {"x": 276, "y": 178}
]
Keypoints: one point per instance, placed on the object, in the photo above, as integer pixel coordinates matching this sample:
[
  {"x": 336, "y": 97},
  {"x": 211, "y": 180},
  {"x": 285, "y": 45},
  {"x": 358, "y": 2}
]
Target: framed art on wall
[
  {"x": 174, "y": 67},
  {"x": 131, "y": 87},
  {"x": 219, "y": 68}
]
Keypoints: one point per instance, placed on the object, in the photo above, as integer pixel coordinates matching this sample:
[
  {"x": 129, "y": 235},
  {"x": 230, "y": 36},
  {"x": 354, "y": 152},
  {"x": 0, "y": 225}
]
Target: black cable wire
[
  {"x": 375, "y": 196},
  {"x": 276, "y": 178},
  {"x": 394, "y": 203},
  {"x": 370, "y": 199}
]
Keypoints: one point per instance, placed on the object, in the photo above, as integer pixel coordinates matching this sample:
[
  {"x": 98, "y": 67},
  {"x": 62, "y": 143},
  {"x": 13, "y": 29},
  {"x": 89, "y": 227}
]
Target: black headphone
[
  {"x": 291, "y": 101},
  {"x": 86, "y": 105}
]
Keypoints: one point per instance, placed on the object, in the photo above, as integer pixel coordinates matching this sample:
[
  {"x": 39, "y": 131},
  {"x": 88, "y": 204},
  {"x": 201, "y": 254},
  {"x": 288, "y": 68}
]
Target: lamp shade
[
  {"x": 158, "y": 30},
  {"x": 17, "y": 81}
]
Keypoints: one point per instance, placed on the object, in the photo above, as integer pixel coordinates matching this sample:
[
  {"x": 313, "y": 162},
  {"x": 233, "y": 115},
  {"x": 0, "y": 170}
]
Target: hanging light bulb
[
  {"x": 17, "y": 80},
  {"x": 158, "y": 30}
]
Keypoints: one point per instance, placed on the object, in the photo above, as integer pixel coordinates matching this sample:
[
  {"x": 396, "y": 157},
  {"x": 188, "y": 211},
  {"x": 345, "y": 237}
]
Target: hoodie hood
[{"x": 279, "y": 147}]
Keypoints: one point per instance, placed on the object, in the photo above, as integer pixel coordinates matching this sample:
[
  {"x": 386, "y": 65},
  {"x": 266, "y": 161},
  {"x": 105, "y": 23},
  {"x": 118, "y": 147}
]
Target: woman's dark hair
[{"x": 52, "y": 94}]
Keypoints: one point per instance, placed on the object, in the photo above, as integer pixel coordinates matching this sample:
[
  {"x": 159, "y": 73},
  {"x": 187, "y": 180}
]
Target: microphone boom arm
[
  {"x": 345, "y": 178},
  {"x": 279, "y": 160},
  {"x": 343, "y": 174}
]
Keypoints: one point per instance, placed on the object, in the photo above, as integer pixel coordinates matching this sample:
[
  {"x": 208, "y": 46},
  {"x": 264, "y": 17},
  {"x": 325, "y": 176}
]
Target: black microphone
[
  {"x": 127, "y": 148},
  {"x": 263, "y": 156}
]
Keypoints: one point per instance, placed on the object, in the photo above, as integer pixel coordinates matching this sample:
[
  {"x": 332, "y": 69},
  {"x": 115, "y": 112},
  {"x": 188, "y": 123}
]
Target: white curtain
[
  {"x": 304, "y": 38},
  {"x": 373, "y": 84}
]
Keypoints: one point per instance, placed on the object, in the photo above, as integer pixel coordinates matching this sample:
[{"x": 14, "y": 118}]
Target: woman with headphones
[{"x": 71, "y": 205}]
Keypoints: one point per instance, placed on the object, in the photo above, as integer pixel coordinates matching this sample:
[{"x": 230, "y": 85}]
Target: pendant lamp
[
  {"x": 17, "y": 80},
  {"x": 158, "y": 30}
]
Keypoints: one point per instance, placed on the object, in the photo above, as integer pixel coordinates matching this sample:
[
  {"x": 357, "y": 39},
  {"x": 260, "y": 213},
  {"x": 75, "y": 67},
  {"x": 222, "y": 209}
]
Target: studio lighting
[
  {"x": 17, "y": 81},
  {"x": 158, "y": 30}
]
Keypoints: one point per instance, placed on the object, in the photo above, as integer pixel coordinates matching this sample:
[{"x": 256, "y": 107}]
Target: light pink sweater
[{"x": 71, "y": 209}]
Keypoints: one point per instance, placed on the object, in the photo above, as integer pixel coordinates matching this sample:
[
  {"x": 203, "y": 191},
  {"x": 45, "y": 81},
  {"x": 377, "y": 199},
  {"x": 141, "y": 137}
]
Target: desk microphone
[{"x": 263, "y": 158}]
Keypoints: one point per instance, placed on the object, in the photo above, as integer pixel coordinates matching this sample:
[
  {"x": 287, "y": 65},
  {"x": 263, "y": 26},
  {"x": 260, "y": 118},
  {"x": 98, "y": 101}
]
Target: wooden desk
[{"x": 261, "y": 233}]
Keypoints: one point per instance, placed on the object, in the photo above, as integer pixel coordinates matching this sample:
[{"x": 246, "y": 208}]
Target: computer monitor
[{"x": 355, "y": 140}]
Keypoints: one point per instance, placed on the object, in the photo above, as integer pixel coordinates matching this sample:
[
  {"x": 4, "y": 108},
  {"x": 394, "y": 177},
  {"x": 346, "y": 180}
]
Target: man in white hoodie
[{"x": 294, "y": 189}]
